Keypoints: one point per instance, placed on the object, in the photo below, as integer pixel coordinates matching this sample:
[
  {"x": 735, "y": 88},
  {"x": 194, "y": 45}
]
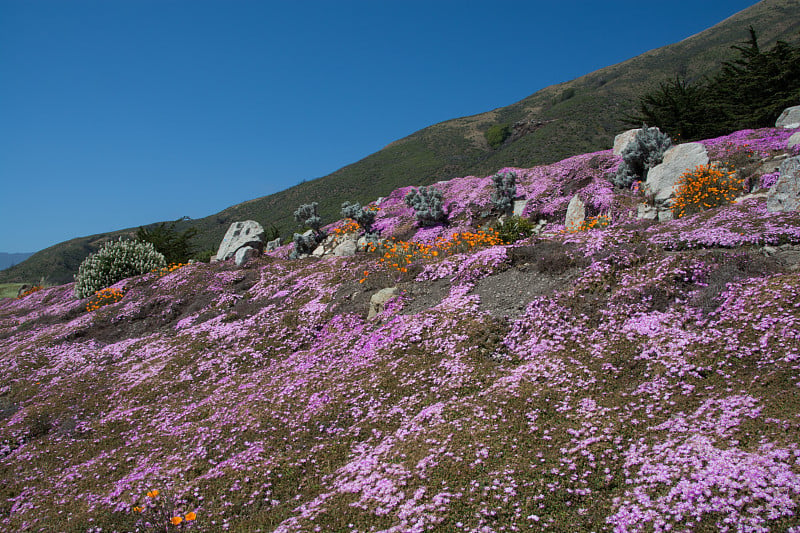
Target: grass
[{"x": 9, "y": 290}]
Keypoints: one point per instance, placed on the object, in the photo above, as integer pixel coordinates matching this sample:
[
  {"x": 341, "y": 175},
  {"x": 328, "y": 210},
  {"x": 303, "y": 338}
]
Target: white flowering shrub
[{"x": 114, "y": 262}]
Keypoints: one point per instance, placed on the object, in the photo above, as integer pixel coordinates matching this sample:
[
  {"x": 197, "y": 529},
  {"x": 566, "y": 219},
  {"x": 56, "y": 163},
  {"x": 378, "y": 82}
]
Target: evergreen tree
[
  {"x": 749, "y": 91},
  {"x": 175, "y": 246}
]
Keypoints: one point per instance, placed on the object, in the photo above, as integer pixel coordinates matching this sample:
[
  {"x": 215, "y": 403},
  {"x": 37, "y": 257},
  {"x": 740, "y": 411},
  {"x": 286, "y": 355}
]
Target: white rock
[
  {"x": 794, "y": 140},
  {"x": 346, "y": 248},
  {"x": 790, "y": 118},
  {"x": 576, "y": 213},
  {"x": 519, "y": 207},
  {"x": 239, "y": 235},
  {"x": 784, "y": 195},
  {"x": 379, "y": 299},
  {"x": 661, "y": 179},
  {"x": 622, "y": 140},
  {"x": 245, "y": 254}
]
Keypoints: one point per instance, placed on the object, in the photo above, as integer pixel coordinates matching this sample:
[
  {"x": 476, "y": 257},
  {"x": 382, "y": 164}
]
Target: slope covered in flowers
[{"x": 642, "y": 377}]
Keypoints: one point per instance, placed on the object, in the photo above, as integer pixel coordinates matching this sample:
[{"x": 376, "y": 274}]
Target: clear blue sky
[{"x": 119, "y": 113}]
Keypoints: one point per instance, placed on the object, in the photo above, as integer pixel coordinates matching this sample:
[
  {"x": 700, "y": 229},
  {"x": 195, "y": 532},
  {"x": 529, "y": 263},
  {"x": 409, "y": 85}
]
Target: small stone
[
  {"x": 519, "y": 207},
  {"x": 647, "y": 212},
  {"x": 576, "y": 213},
  {"x": 346, "y": 248},
  {"x": 274, "y": 244},
  {"x": 379, "y": 299},
  {"x": 794, "y": 140}
]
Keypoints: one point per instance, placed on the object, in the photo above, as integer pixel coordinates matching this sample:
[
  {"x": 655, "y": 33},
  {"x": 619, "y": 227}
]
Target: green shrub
[
  {"x": 204, "y": 256},
  {"x": 114, "y": 262},
  {"x": 505, "y": 190},
  {"x": 514, "y": 228},
  {"x": 645, "y": 152},
  {"x": 497, "y": 134},
  {"x": 427, "y": 205}
]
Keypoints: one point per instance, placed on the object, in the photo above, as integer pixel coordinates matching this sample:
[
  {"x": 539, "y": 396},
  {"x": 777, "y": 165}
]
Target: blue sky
[{"x": 119, "y": 113}]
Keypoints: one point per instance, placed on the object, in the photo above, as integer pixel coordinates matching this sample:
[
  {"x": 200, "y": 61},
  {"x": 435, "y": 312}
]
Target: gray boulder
[
  {"x": 790, "y": 118},
  {"x": 244, "y": 254},
  {"x": 661, "y": 179},
  {"x": 274, "y": 244},
  {"x": 576, "y": 213},
  {"x": 379, "y": 299},
  {"x": 646, "y": 211},
  {"x": 519, "y": 207},
  {"x": 241, "y": 234},
  {"x": 622, "y": 140},
  {"x": 346, "y": 248},
  {"x": 785, "y": 194},
  {"x": 794, "y": 140}
]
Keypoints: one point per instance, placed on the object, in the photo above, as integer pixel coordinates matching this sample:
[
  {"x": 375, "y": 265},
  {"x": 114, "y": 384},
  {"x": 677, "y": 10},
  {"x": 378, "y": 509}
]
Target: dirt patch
[{"x": 508, "y": 293}]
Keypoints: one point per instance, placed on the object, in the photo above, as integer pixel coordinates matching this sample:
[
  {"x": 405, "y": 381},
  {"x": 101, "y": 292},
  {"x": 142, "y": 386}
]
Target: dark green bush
[
  {"x": 497, "y": 134},
  {"x": 172, "y": 244}
]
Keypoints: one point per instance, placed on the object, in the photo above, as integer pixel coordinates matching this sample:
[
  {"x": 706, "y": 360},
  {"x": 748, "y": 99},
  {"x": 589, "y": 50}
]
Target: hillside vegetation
[
  {"x": 636, "y": 377},
  {"x": 574, "y": 117}
]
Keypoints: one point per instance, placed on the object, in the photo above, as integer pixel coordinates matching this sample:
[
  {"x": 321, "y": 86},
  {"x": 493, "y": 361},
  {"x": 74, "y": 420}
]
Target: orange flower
[
  {"x": 190, "y": 516},
  {"x": 152, "y": 494},
  {"x": 176, "y": 520},
  {"x": 138, "y": 509}
]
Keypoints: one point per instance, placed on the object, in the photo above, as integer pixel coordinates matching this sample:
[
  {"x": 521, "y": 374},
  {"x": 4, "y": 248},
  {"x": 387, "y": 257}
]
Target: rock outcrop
[
  {"x": 241, "y": 234},
  {"x": 784, "y": 195}
]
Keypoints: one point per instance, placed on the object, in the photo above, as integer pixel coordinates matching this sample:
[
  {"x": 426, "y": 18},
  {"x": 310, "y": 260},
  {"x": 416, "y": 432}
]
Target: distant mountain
[
  {"x": 7, "y": 260},
  {"x": 573, "y": 117}
]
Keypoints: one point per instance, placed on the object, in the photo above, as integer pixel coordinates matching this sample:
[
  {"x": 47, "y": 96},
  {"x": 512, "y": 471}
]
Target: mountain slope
[
  {"x": 641, "y": 377},
  {"x": 577, "y": 116}
]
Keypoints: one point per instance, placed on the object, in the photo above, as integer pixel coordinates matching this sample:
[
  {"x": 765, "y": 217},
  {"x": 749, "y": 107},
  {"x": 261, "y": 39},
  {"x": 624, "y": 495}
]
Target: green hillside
[{"x": 573, "y": 117}]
